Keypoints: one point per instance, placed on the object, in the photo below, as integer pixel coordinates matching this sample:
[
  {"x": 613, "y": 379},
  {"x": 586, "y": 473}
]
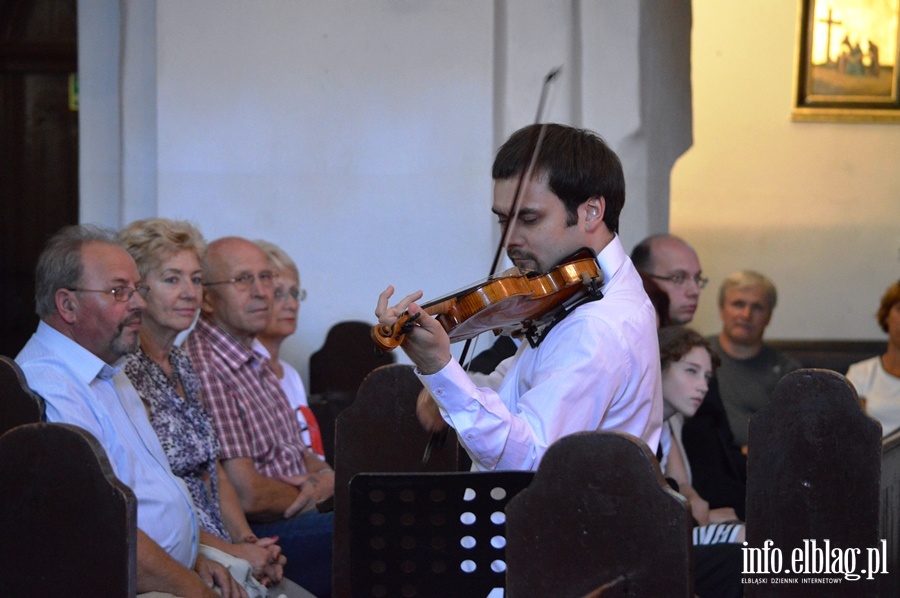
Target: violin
[{"x": 510, "y": 303}]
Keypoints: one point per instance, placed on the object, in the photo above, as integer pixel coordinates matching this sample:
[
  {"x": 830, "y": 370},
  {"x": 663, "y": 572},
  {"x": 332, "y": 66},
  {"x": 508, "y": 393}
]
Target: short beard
[
  {"x": 523, "y": 256},
  {"x": 121, "y": 344}
]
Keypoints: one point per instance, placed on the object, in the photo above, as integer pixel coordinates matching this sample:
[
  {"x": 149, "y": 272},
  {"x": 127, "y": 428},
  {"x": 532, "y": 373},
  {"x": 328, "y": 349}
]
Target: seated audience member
[
  {"x": 718, "y": 466},
  {"x": 688, "y": 363},
  {"x": 675, "y": 267},
  {"x": 286, "y": 298},
  {"x": 278, "y": 480},
  {"x": 89, "y": 297},
  {"x": 878, "y": 379},
  {"x": 750, "y": 369},
  {"x": 168, "y": 254},
  {"x": 687, "y": 367}
]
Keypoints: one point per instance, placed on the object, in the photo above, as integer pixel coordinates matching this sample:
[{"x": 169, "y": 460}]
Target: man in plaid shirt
[{"x": 279, "y": 481}]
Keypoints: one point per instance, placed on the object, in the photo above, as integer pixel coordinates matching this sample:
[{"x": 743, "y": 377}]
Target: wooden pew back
[
  {"x": 599, "y": 518},
  {"x": 813, "y": 474},
  {"x": 834, "y": 354},
  {"x": 379, "y": 432},
  {"x": 70, "y": 526},
  {"x": 889, "y": 585},
  {"x": 18, "y": 404}
]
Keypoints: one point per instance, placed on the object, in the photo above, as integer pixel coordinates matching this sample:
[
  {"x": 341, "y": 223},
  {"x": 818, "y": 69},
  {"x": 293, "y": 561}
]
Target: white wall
[
  {"x": 358, "y": 135},
  {"x": 815, "y": 206}
]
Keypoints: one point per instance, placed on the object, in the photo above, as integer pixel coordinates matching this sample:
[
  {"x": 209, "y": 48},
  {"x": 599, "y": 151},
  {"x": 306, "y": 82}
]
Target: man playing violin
[{"x": 595, "y": 369}]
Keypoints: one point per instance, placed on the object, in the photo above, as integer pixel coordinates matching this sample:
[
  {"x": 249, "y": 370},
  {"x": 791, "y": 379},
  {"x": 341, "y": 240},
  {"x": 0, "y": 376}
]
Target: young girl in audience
[
  {"x": 168, "y": 254},
  {"x": 688, "y": 363}
]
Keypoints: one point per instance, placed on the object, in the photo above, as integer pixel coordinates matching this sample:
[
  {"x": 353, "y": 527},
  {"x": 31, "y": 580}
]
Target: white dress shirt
[
  {"x": 81, "y": 389},
  {"x": 598, "y": 369}
]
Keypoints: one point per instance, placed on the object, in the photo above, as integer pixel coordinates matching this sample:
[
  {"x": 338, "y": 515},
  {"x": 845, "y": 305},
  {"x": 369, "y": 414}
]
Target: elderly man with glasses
[
  {"x": 279, "y": 481},
  {"x": 90, "y": 299}
]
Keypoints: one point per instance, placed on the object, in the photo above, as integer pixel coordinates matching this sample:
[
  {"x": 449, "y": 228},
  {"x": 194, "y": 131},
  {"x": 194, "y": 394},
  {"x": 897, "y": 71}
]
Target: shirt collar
[
  {"x": 610, "y": 259},
  {"x": 234, "y": 353},
  {"x": 85, "y": 364}
]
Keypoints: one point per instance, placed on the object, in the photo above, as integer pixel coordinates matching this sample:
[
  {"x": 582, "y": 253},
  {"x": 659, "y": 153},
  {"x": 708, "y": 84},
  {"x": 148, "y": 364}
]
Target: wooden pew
[
  {"x": 73, "y": 521},
  {"x": 69, "y": 525},
  {"x": 379, "y": 432},
  {"x": 598, "y": 519},
  {"x": 336, "y": 370},
  {"x": 889, "y": 585},
  {"x": 813, "y": 474},
  {"x": 18, "y": 404},
  {"x": 834, "y": 354}
]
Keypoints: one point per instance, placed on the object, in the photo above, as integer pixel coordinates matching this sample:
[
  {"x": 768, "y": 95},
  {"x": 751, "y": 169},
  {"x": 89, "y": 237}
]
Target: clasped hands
[{"x": 264, "y": 556}]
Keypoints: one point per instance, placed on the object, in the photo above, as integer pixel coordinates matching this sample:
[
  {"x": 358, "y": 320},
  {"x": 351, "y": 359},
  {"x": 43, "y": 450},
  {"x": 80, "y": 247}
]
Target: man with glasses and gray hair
[
  {"x": 90, "y": 298},
  {"x": 279, "y": 481}
]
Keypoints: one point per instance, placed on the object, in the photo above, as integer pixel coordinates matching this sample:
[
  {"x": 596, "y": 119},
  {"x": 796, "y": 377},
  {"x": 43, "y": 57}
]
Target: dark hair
[
  {"x": 890, "y": 297},
  {"x": 642, "y": 256},
  {"x": 658, "y": 297},
  {"x": 577, "y": 163},
  {"x": 60, "y": 266},
  {"x": 676, "y": 341}
]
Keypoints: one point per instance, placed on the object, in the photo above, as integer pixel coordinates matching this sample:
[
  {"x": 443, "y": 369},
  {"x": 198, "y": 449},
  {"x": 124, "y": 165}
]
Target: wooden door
[{"x": 38, "y": 149}]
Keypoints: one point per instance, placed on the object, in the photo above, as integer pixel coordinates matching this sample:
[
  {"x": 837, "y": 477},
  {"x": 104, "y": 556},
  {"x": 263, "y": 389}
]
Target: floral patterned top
[{"x": 184, "y": 428}]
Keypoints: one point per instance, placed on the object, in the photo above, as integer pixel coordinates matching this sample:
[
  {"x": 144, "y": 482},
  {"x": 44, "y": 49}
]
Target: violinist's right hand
[
  {"x": 428, "y": 413},
  {"x": 427, "y": 343}
]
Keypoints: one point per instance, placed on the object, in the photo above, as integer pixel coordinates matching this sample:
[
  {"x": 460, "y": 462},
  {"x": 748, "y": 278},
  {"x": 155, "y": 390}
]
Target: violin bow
[
  {"x": 527, "y": 173},
  {"x": 437, "y": 439}
]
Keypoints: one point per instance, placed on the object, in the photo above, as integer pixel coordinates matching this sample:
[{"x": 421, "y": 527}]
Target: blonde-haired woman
[{"x": 168, "y": 255}]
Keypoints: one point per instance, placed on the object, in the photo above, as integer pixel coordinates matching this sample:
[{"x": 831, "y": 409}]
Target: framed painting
[{"x": 847, "y": 61}]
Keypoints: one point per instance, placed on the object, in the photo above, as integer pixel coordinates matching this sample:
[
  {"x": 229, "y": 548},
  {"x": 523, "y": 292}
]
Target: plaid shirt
[{"x": 251, "y": 413}]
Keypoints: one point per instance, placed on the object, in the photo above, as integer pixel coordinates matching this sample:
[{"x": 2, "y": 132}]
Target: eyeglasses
[
  {"x": 679, "y": 279},
  {"x": 281, "y": 293},
  {"x": 121, "y": 294},
  {"x": 245, "y": 281}
]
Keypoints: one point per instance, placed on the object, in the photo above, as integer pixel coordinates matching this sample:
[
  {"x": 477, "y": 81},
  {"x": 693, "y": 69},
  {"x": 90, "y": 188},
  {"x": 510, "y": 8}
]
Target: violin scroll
[{"x": 388, "y": 337}]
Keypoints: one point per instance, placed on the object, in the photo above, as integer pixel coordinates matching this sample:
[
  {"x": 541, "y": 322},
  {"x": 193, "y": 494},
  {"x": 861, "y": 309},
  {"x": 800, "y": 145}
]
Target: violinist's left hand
[{"x": 427, "y": 343}]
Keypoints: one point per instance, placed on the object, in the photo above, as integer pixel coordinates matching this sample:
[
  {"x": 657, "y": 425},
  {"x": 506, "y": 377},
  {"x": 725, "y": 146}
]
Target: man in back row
[
  {"x": 675, "y": 268},
  {"x": 750, "y": 368},
  {"x": 89, "y": 297}
]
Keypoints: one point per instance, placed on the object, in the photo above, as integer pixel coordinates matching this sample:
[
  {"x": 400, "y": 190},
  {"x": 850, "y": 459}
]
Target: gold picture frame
[{"x": 847, "y": 55}]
